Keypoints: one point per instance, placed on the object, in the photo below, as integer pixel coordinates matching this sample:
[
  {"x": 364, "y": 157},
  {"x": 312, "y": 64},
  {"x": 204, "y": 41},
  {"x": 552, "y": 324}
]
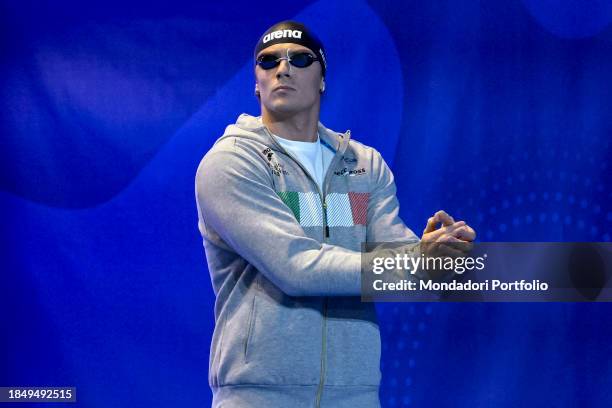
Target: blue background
[{"x": 496, "y": 111}]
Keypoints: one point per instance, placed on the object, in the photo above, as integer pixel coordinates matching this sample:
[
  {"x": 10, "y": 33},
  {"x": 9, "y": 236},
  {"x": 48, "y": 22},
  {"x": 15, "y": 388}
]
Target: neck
[{"x": 300, "y": 126}]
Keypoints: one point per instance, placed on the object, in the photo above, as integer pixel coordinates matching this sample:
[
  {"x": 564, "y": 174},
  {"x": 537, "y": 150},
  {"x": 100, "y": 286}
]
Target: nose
[{"x": 284, "y": 69}]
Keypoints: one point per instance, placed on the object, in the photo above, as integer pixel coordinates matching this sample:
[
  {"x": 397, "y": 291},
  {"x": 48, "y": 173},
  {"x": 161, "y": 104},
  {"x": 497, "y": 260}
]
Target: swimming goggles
[{"x": 300, "y": 60}]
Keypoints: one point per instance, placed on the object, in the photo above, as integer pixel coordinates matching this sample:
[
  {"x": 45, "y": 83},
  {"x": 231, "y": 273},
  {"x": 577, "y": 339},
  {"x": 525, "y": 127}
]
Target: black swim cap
[{"x": 292, "y": 32}]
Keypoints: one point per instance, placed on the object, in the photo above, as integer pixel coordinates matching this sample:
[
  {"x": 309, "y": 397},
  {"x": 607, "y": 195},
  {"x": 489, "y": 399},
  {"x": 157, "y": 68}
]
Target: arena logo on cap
[{"x": 282, "y": 34}]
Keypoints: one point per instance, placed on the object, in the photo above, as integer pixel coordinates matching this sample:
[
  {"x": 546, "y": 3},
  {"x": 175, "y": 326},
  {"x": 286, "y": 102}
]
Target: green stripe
[{"x": 292, "y": 200}]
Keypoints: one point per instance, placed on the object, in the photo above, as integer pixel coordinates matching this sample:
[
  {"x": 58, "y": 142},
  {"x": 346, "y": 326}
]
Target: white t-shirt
[{"x": 314, "y": 156}]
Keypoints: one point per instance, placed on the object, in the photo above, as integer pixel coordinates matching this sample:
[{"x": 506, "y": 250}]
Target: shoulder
[
  {"x": 233, "y": 155},
  {"x": 365, "y": 154},
  {"x": 362, "y": 149}
]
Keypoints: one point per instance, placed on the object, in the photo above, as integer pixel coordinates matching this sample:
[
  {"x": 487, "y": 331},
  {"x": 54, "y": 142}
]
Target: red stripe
[{"x": 359, "y": 207}]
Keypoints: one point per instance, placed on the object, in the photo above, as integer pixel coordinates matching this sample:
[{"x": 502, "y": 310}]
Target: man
[{"x": 284, "y": 204}]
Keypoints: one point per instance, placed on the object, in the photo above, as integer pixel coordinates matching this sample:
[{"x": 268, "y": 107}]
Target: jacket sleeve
[
  {"x": 384, "y": 223},
  {"x": 235, "y": 198}
]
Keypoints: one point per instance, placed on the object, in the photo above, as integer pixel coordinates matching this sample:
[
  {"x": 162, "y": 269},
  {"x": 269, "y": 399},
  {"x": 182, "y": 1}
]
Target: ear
[
  {"x": 322, "y": 87},
  {"x": 256, "y": 89}
]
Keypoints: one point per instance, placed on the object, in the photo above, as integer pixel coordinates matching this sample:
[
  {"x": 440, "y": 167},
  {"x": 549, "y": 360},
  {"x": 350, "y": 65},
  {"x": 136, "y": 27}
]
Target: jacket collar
[{"x": 338, "y": 141}]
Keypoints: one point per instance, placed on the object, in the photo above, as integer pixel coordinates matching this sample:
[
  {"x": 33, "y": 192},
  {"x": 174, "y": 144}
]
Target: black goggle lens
[
  {"x": 267, "y": 61},
  {"x": 300, "y": 60}
]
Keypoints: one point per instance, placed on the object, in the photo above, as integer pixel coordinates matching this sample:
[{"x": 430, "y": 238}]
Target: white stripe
[
  {"x": 311, "y": 213},
  {"x": 339, "y": 212}
]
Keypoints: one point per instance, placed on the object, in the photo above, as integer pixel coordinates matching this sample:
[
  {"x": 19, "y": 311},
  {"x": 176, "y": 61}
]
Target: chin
[{"x": 285, "y": 107}]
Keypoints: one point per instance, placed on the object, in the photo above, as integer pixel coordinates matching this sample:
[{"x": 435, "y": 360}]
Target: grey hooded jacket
[{"x": 284, "y": 260}]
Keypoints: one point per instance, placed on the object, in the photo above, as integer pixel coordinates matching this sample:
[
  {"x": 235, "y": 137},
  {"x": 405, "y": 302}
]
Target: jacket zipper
[
  {"x": 323, "y": 355},
  {"x": 325, "y": 236},
  {"x": 324, "y": 328}
]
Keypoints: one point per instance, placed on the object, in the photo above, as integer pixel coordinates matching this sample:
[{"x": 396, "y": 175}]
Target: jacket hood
[{"x": 252, "y": 127}]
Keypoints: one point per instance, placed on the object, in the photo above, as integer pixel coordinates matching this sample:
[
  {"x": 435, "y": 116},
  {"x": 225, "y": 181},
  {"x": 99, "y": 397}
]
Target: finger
[
  {"x": 448, "y": 238},
  {"x": 457, "y": 245},
  {"x": 445, "y": 218},
  {"x": 473, "y": 234},
  {"x": 463, "y": 246},
  {"x": 431, "y": 224},
  {"x": 440, "y": 216},
  {"x": 433, "y": 236},
  {"x": 465, "y": 233}
]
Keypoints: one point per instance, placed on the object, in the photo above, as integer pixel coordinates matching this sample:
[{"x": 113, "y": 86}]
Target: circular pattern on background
[{"x": 571, "y": 18}]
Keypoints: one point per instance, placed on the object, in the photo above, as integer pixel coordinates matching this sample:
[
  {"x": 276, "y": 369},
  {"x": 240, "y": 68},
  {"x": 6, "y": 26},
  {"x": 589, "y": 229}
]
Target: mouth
[{"x": 283, "y": 88}]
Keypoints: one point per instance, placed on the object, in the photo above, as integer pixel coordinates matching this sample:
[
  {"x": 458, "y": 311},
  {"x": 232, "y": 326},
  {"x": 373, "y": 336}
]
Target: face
[{"x": 303, "y": 84}]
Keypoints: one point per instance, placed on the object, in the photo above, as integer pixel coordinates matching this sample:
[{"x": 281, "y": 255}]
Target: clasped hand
[{"x": 444, "y": 237}]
